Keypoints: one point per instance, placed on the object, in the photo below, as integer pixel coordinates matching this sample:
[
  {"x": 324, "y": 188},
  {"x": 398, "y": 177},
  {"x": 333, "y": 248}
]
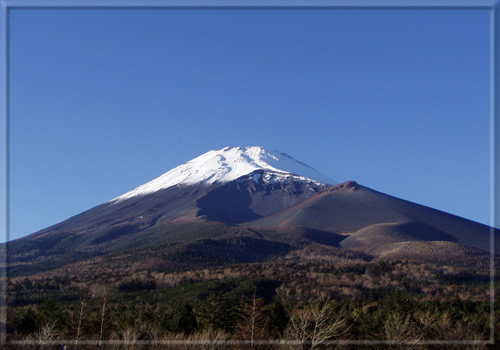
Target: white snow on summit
[{"x": 226, "y": 165}]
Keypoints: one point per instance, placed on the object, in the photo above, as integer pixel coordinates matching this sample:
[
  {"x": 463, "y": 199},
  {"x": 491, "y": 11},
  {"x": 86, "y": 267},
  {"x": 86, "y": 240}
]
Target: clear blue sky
[{"x": 105, "y": 100}]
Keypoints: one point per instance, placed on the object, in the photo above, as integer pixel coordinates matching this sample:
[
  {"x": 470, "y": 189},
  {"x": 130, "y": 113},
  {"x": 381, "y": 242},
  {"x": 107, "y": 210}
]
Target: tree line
[{"x": 251, "y": 323}]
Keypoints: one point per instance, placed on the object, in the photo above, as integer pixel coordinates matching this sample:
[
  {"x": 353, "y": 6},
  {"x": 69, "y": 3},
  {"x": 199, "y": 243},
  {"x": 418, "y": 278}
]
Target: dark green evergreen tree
[
  {"x": 166, "y": 318},
  {"x": 187, "y": 322},
  {"x": 278, "y": 317},
  {"x": 28, "y": 322},
  {"x": 149, "y": 316},
  {"x": 50, "y": 313},
  {"x": 217, "y": 313}
]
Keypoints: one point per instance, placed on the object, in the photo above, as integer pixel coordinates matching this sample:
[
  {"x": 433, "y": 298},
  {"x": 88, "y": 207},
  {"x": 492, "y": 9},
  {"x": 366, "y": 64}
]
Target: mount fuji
[{"x": 270, "y": 202}]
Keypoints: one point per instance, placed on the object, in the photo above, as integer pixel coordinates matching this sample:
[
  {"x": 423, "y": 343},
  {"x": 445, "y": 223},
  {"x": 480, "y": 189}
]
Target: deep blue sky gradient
[{"x": 105, "y": 100}]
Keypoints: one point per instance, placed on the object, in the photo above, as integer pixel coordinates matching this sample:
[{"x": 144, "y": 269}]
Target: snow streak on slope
[{"x": 226, "y": 165}]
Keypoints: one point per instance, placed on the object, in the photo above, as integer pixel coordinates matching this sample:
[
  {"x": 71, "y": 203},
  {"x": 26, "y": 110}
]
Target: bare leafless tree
[
  {"x": 130, "y": 338},
  {"x": 401, "y": 330},
  {"x": 80, "y": 317},
  {"x": 208, "y": 339},
  {"x": 254, "y": 324},
  {"x": 315, "y": 325},
  {"x": 45, "y": 337},
  {"x": 103, "y": 311}
]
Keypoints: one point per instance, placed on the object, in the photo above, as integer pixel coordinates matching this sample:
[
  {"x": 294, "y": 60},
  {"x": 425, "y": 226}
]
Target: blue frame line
[
  {"x": 492, "y": 5},
  {"x": 494, "y": 151},
  {"x": 318, "y": 4},
  {"x": 4, "y": 164}
]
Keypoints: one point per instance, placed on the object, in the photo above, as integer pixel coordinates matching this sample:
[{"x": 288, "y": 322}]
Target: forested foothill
[{"x": 301, "y": 301}]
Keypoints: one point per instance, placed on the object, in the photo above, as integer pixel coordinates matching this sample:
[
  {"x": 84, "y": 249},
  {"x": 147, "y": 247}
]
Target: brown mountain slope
[
  {"x": 371, "y": 217},
  {"x": 436, "y": 251},
  {"x": 383, "y": 234}
]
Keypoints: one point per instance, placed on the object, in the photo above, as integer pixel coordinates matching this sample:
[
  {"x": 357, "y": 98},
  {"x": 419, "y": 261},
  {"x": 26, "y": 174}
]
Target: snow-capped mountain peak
[{"x": 226, "y": 165}]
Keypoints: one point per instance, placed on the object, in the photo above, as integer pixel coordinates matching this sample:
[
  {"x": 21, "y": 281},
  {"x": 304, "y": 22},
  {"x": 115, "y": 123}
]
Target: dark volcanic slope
[
  {"x": 246, "y": 198},
  {"x": 157, "y": 216},
  {"x": 372, "y": 217},
  {"x": 142, "y": 212},
  {"x": 256, "y": 195},
  {"x": 110, "y": 226}
]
